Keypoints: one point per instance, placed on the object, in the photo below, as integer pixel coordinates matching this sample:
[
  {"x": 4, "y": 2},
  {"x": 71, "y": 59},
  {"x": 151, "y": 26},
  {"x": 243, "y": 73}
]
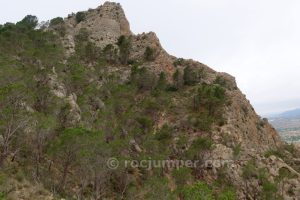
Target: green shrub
[
  {"x": 201, "y": 121},
  {"x": 149, "y": 54},
  {"x": 277, "y": 152},
  {"x": 86, "y": 50},
  {"x": 182, "y": 176},
  {"x": 150, "y": 105},
  {"x": 154, "y": 188},
  {"x": 260, "y": 125},
  {"x": 211, "y": 97},
  {"x": 165, "y": 133},
  {"x": 178, "y": 79},
  {"x": 73, "y": 146},
  {"x": 124, "y": 44},
  {"x": 220, "y": 80},
  {"x": 162, "y": 82},
  {"x": 80, "y": 16},
  {"x": 249, "y": 171},
  {"x": 143, "y": 78},
  {"x": 237, "y": 150},
  {"x": 262, "y": 174},
  {"x": 198, "y": 148},
  {"x": 171, "y": 88},
  {"x": 228, "y": 194},
  {"x": 190, "y": 76},
  {"x": 178, "y": 62},
  {"x": 202, "y": 143},
  {"x": 92, "y": 52},
  {"x": 29, "y": 22},
  {"x": 20, "y": 176},
  {"x": 198, "y": 191},
  {"x": 56, "y": 21},
  {"x": 182, "y": 142},
  {"x": 76, "y": 81},
  {"x": 208, "y": 103},
  {"x": 285, "y": 173},
  {"x": 82, "y": 36},
  {"x": 2, "y": 196},
  {"x": 269, "y": 190},
  {"x": 58, "y": 25},
  {"x": 3, "y": 178},
  {"x": 145, "y": 123},
  {"x": 110, "y": 53}
]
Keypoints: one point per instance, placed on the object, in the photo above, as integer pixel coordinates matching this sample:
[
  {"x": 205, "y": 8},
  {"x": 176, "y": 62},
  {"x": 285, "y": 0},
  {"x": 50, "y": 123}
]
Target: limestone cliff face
[
  {"x": 245, "y": 127},
  {"x": 105, "y": 25}
]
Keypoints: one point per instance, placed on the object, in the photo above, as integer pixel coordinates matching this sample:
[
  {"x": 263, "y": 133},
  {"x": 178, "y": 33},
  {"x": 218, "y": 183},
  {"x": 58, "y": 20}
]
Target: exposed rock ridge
[{"x": 105, "y": 25}]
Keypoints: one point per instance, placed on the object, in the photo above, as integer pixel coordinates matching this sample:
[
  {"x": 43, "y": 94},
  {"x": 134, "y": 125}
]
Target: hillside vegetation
[{"x": 70, "y": 105}]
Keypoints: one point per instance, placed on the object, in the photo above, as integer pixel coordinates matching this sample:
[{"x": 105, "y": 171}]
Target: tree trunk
[
  {"x": 2, "y": 159},
  {"x": 64, "y": 175}
]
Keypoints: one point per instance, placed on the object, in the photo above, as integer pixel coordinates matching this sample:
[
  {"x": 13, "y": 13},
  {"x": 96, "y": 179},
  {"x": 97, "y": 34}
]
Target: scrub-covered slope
[{"x": 85, "y": 104}]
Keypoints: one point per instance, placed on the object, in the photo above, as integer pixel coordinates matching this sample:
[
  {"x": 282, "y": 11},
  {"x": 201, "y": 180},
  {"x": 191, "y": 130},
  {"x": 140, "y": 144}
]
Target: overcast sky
[{"x": 256, "y": 41}]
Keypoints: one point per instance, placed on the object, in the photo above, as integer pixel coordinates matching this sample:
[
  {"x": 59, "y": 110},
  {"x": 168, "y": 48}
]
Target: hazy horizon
[{"x": 257, "y": 42}]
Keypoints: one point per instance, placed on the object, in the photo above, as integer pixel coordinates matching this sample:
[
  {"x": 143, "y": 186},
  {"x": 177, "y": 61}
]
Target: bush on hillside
[
  {"x": 80, "y": 16},
  {"x": 149, "y": 54},
  {"x": 56, "y": 21},
  {"x": 124, "y": 44},
  {"x": 29, "y": 22}
]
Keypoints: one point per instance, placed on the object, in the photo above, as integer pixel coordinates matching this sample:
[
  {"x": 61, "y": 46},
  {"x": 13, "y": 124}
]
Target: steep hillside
[{"x": 91, "y": 111}]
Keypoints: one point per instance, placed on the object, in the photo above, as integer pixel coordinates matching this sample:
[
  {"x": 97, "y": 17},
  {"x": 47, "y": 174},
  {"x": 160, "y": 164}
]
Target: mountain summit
[
  {"x": 105, "y": 24},
  {"x": 89, "y": 109}
]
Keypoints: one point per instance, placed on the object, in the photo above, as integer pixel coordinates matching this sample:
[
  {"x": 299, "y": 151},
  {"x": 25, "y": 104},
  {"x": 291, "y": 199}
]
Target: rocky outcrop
[
  {"x": 104, "y": 24},
  {"x": 289, "y": 184},
  {"x": 57, "y": 88},
  {"x": 162, "y": 62},
  {"x": 73, "y": 116},
  {"x": 245, "y": 127}
]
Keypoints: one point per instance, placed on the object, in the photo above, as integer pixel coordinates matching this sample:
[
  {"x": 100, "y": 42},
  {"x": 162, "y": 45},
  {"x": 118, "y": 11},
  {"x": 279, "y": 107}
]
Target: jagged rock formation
[{"x": 105, "y": 25}]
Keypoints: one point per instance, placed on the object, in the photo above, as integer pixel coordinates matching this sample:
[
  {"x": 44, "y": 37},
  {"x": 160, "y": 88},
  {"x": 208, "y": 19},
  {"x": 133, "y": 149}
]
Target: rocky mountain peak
[
  {"x": 105, "y": 25},
  {"x": 112, "y": 15},
  {"x": 114, "y": 11}
]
